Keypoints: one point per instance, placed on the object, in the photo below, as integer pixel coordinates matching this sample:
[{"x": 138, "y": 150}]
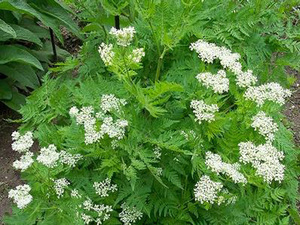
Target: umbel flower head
[
  {"x": 265, "y": 159},
  {"x": 123, "y": 36},
  {"x": 203, "y": 111},
  {"x": 215, "y": 163},
  {"x": 22, "y": 143},
  {"x": 207, "y": 190},
  {"x": 21, "y": 195},
  {"x": 129, "y": 215},
  {"x": 218, "y": 82},
  {"x": 265, "y": 125},
  {"x": 48, "y": 156}
]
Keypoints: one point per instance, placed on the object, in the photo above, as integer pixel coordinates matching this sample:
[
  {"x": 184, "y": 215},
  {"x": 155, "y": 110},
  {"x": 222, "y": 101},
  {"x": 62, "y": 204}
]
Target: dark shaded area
[{"x": 9, "y": 178}]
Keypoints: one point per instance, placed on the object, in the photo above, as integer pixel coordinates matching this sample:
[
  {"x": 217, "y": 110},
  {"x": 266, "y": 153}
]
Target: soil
[{"x": 9, "y": 178}]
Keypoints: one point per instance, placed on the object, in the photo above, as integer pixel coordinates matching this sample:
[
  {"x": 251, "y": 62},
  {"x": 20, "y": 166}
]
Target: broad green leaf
[
  {"x": 5, "y": 90},
  {"x": 53, "y": 9},
  {"x": 21, "y": 73},
  {"x": 27, "y": 35},
  {"x": 7, "y": 29},
  {"x": 9, "y": 53},
  {"x": 16, "y": 101}
]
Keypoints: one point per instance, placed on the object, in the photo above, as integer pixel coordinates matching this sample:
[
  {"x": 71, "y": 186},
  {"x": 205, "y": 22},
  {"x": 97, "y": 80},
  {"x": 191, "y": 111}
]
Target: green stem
[{"x": 159, "y": 64}]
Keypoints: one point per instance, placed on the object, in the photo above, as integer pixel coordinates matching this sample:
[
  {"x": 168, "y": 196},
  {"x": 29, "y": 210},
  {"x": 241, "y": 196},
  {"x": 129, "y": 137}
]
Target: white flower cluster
[
  {"x": 110, "y": 102},
  {"x": 69, "y": 159},
  {"x": 270, "y": 91},
  {"x": 21, "y": 195},
  {"x": 246, "y": 79},
  {"x": 124, "y": 36},
  {"x": 129, "y": 215},
  {"x": 218, "y": 82},
  {"x": 21, "y": 143},
  {"x": 203, "y": 111},
  {"x": 104, "y": 187},
  {"x": 215, "y": 163},
  {"x": 208, "y": 52},
  {"x": 75, "y": 194},
  {"x": 114, "y": 129},
  {"x": 207, "y": 190},
  {"x": 265, "y": 159},
  {"x": 106, "y": 53},
  {"x": 157, "y": 152},
  {"x": 265, "y": 125},
  {"x": 85, "y": 117},
  {"x": 48, "y": 156},
  {"x": 25, "y": 162},
  {"x": 103, "y": 212},
  {"x": 188, "y": 134},
  {"x": 137, "y": 55},
  {"x": 60, "y": 186}
]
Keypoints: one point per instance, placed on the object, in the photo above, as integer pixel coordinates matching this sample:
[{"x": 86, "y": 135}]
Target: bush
[
  {"x": 25, "y": 47},
  {"x": 152, "y": 129}
]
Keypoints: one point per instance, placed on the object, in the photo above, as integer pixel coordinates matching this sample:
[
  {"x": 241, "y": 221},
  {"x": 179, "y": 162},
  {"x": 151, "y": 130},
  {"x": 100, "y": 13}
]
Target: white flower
[
  {"x": 75, "y": 194},
  {"x": 265, "y": 159},
  {"x": 137, "y": 55},
  {"x": 60, "y": 186},
  {"x": 207, "y": 190},
  {"x": 22, "y": 143},
  {"x": 129, "y": 215},
  {"x": 124, "y": 36},
  {"x": 69, "y": 159},
  {"x": 102, "y": 188},
  {"x": 157, "y": 152},
  {"x": 265, "y": 125},
  {"x": 270, "y": 91},
  {"x": 218, "y": 82},
  {"x": 114, "y": 129},
  {"x": 203, "y": 111},
  {"x": 48, "y": 156},
  {"x": 21, "y": 195},
  {"x": 74, "y": 111},
  {"x": 24, "y": 162},
  {"x": 86, "y": 218},
  {"x": 215, "y": 163},
  {"x": 208, "y": 52},
  {"x": 110, "y": 102},
  {"x": 106, "y": 53},
  {"x": 246, "y": 79},
  {"x": 103, "y": 212}
]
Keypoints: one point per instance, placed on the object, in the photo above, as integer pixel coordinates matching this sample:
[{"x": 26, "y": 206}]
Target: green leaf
[
  {"x": 27, "y": 35},
  {"x": 5, "y": 90},
  {"x": 55, "y": 10},
  {"x": 10, "y": 53},
  {"x": 7, "y": 29},
  {"x": 16, "y": 101},
  {"x": 21, "y": 73}
]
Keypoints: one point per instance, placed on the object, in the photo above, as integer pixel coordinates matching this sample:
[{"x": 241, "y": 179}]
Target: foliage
[
  {"x": 161, "y": 156},
  {"x": 25, "y": 47}
]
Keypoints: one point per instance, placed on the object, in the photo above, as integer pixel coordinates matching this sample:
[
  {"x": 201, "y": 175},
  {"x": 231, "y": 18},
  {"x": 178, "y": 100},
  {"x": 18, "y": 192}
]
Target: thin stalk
[{"x": 159, "y": 64}]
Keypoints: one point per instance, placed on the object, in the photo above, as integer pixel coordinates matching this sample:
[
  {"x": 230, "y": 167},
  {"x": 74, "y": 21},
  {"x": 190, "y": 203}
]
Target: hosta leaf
[
  {"x": 10, "y": 53},
  {"x": 16, "y": 101},
  {"x": 27, "y": 35},
  {"x": 55, "y": 10},
  {"x": 7, "y": 29},
  {"x": 5, "y": 90},
  {"x": 21, "y": 73}
]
